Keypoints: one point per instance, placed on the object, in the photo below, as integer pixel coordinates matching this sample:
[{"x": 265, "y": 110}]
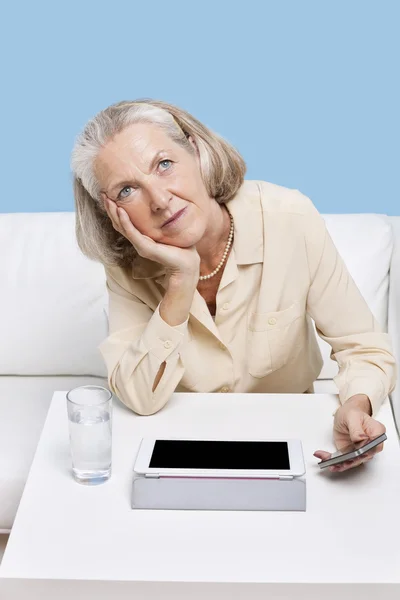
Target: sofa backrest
[
  {"x": 53, "y": 299},
  {"x": 365, "y": 242}
]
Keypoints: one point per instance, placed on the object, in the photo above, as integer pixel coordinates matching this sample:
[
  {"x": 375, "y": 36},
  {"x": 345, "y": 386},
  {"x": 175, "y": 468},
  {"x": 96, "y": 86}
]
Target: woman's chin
[
  {"x": 185, "y": 243},
  {"x": 186, "y": 239}
]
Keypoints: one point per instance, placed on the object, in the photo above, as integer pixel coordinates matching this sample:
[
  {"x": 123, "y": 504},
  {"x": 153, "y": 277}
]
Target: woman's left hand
[{"x": 353, "y": 424}]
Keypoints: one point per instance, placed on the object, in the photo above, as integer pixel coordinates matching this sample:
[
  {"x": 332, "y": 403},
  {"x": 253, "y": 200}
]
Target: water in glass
[
  {"x": 90, "y": 432},
  {"x": 91, "y": 445}
]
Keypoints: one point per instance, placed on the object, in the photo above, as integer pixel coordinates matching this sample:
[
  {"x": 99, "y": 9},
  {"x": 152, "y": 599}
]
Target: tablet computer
[{"x": 173, "y": 457}]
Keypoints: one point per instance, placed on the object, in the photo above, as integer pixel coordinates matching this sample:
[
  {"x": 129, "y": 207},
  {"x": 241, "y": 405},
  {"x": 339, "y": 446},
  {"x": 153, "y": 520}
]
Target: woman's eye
[
  {"x": 123, "y": 193},
  {"x": 166, "y": 164}
]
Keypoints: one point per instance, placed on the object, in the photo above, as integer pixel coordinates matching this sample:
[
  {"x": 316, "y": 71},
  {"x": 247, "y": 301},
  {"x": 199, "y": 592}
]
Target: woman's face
[{"x": 153, "y": 178}]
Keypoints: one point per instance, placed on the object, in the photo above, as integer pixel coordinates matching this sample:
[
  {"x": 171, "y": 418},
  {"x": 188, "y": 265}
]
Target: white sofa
[{"x": 53, "y": 301}]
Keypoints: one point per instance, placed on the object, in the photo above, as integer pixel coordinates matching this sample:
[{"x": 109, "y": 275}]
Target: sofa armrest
[{"x": 394, "y": 312}]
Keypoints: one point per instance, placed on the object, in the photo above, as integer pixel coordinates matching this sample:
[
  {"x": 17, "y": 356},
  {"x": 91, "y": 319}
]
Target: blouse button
[
  {"x": 225, "y": 389},
  {"x": 167, "y": 344},
  {"x": 272, "y": 321},
  {"x": 225, "y": 306}
]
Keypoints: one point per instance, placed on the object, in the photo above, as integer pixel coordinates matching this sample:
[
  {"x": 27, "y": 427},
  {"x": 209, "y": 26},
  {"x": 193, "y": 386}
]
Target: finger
[
  {"x": 109, "y": 207},
  {"x": 124, "y": 219},
  {"x": 374, "y": 428},
  {"x": 339, "y": 468},
  {"x": 342, "y": 467},
  {"x": 365, "y": 458},
  {"x": 373, "y": 451},
  {"x": 322, "y": 454},
  {"x": 112, "y": 211},
  {"x": 368, "y": 454},
  {"x": 134, "y": 235},
  {"x": 349, "y": 464},
  {"x": 355, "y": 427},
  {"x": 357, "y": 463},
  {"x": 377, "y": 449},
  {"x": 143, "y": 243}
]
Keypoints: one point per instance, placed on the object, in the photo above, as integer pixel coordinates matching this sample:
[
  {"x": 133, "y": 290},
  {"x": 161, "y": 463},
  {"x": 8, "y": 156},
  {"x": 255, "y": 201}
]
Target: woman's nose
[{"x": 159, "y": 197}]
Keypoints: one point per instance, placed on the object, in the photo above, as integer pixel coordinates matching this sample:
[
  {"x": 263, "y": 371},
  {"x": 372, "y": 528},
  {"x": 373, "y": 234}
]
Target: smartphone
[
  {"x": 352, "y": 451},
  {"x": 220, "y": 458}
]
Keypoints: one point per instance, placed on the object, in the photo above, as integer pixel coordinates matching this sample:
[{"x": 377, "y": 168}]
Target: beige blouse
[{"x": 283, "y": 270}]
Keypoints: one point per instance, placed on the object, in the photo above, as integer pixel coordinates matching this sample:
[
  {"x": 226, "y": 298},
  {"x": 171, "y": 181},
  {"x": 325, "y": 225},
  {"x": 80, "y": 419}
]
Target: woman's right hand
[{"x": 179, "y": 261}]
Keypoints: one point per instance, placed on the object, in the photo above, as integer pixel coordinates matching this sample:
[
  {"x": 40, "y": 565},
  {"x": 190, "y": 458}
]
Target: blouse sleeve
[
  {"x": 342, "y": 317},
  {"x": 139, "y": 342}
]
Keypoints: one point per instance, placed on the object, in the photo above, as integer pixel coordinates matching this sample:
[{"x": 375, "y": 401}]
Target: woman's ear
[{"x": 193, "y": 144}]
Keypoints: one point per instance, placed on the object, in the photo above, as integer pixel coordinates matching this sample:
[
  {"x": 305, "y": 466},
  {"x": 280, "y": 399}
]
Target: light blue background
[{"x": 308, "y": 91}]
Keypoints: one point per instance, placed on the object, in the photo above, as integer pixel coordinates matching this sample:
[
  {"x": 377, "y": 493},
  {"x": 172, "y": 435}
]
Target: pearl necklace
[{"x": 226, "y": 251}]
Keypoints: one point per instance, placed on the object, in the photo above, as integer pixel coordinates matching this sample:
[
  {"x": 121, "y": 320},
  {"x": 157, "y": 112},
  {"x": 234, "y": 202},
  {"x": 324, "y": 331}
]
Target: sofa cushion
[
  {"x": 24, "y": 402},
  {"x": 52, "y": 301},
  {"x": 365, "y": 242}
]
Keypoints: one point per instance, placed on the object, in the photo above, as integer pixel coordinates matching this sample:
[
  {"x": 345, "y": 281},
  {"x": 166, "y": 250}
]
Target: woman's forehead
[
  {"x": 139, "y": 138},
  {"x": 136, "y": 147},
  {"x": 139, "y": 142}
]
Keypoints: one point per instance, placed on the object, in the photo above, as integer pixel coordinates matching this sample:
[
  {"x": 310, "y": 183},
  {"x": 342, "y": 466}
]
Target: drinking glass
[{"x": 90, "y": 432}]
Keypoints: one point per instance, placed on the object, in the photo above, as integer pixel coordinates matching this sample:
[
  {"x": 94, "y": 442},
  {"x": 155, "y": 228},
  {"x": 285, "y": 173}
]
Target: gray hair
[{"x": 222, "y": 169}]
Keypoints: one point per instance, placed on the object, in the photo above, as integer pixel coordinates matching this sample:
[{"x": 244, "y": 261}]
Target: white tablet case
[{"x": 200, "y": 493}]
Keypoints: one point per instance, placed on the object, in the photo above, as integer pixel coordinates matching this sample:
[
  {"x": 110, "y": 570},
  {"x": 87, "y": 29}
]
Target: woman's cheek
[{"x": 136, "y": 218}]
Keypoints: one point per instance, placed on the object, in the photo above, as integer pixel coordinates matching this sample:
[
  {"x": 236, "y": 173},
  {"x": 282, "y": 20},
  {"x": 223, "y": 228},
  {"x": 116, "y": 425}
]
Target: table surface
[{"x": 349, "y": 533}]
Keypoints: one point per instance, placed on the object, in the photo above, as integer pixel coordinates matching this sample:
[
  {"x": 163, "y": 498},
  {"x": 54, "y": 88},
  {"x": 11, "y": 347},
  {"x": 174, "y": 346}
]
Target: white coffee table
[{"x": 70, "y": 541}]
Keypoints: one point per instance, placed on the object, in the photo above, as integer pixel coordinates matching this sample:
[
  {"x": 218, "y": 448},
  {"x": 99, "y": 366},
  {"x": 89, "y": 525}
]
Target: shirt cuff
[
  {"x": 373, "y": 388},
  {"x": 164, "y": 340}
]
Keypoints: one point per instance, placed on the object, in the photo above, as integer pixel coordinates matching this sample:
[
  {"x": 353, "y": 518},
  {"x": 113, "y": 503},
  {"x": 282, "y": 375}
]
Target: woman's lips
[{"x": 177, "y": 218}]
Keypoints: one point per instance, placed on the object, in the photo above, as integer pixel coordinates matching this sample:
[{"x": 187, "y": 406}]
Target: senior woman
[{"x": 213, "y": 280}]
